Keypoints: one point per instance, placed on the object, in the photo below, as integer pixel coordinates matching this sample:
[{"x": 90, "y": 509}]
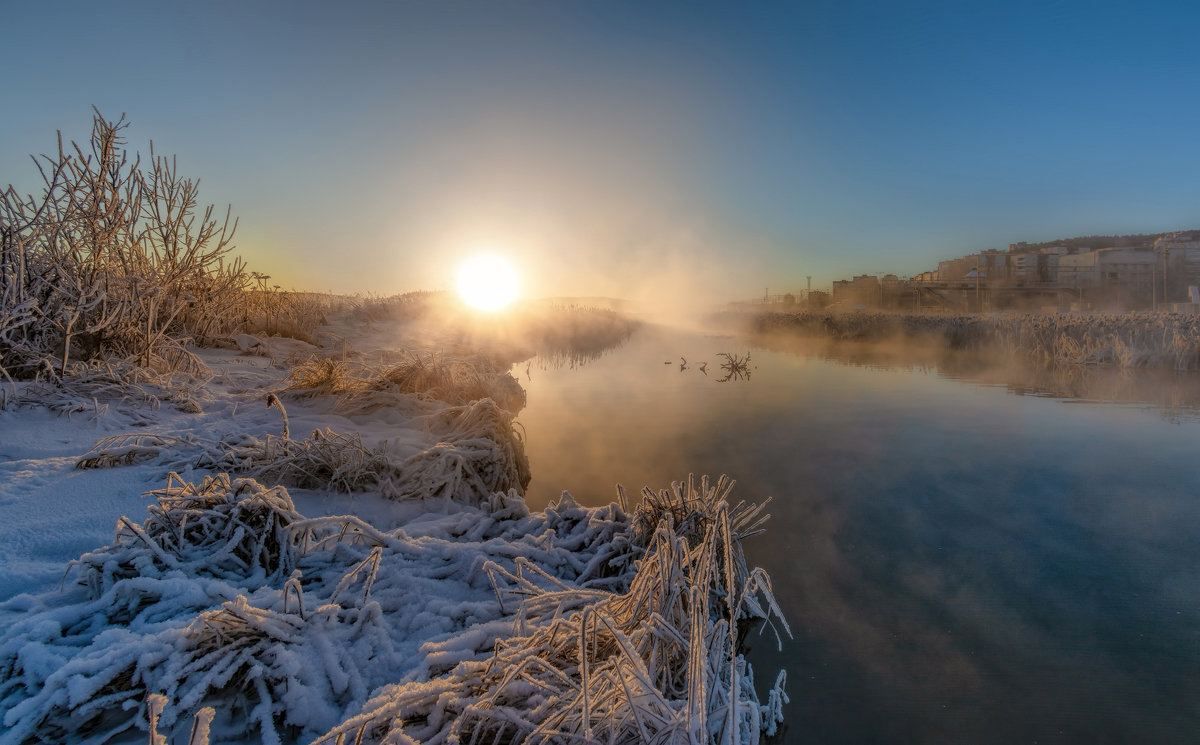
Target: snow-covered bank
[{"x": 356, "y": 609}]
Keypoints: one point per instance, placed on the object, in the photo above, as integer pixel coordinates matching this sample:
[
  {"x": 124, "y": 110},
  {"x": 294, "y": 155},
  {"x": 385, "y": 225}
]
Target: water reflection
[
  {"x": 1177, "y": 394},
  {"x": 734, "y": 367},
  {"x": 959, "y": 564},
  {"x": 570, "y": 356}
]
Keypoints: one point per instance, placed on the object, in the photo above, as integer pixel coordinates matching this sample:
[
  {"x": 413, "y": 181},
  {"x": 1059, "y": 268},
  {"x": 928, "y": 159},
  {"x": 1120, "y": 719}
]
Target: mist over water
[{"x": 966, "y": 552}]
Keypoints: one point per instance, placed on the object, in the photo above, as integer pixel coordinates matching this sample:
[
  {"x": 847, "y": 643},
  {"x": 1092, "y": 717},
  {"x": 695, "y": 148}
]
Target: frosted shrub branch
[{"x": 112, "y": 258}]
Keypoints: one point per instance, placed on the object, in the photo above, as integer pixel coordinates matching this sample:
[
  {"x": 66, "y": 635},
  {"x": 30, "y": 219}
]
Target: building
[
  {"x": 1040, "y": 265},
  {"x": 1179, "y": 257},
  {"x": 1131, "y": 274},
  {"x": 1115, "y": 277},
  {"x": 991, "y": 264},
  {"x": 862, "y": 290}
]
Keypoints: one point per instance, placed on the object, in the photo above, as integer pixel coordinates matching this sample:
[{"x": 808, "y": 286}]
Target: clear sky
[{"x": 619, "y": 148}]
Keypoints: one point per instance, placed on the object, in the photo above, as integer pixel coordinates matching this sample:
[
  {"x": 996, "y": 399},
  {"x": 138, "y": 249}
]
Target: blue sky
[{"x": 628, "y": 148}]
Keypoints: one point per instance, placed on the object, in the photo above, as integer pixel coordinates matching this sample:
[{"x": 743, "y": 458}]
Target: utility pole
[
  {"x": 978, "y": 269},
  {"x": 1164, "y": 292}
]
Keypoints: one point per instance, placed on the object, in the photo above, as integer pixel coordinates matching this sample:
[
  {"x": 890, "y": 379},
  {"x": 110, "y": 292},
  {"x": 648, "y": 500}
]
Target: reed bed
[
  {"x": 404, "y": 307},
  {"x": 574, "y": 334},
  {"x": 558, "y": 334},
  {"x": 455, "y": 380},
  {"x": 465, "y": 470},
  {"x": 1131, "y": 340},
  {"x": 228, "y": 609},
  {"x": 476, "y": 451}
]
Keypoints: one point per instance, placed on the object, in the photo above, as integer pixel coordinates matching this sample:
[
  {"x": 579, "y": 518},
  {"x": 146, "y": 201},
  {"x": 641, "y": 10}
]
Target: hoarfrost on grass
[{"x": 493, "y": 620}]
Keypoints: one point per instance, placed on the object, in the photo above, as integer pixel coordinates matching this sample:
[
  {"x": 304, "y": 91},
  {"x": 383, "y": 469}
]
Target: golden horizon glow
[{"x": 487, "y": 282}]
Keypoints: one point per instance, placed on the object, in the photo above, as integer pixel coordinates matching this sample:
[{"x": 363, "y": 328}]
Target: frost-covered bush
[
  {"x": 115, "y": 258},
  {"x": 112, "y": 258}
]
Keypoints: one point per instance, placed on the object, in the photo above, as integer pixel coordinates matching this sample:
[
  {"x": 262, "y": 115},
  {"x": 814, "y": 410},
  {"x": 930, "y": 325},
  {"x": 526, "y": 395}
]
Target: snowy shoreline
[{"x": 302, "y": 614}]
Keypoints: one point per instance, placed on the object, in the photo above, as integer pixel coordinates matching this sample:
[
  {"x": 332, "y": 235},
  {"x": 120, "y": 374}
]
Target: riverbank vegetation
[
  {"x": 495, "y": 624},
  {"x": 1130, "y": 340},
  {"x": 115, "y": 259}
]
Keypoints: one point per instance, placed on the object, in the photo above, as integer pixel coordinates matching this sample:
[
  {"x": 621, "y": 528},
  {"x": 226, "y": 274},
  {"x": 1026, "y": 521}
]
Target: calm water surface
[{"x": 959, "y": 562}]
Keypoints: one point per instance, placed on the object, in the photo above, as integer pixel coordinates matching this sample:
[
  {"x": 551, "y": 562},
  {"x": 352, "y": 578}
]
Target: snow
[{"x": 301, "y": 613}]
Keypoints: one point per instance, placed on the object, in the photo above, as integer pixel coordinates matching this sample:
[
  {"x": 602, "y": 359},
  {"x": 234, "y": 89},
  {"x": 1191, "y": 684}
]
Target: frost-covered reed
[
  {"x": 475, "y": 447},
  {"x": 475, "y": 452},
  {"x": 451, "y": 379},
  {"x": 455, "y": 380},
  {"x": 495, "y": 625},
  {"x": 656, "y": 661}
]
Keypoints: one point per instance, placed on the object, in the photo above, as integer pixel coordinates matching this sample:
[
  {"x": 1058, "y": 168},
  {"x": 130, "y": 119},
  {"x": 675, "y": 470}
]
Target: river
[{"x": 964, "y": 555}]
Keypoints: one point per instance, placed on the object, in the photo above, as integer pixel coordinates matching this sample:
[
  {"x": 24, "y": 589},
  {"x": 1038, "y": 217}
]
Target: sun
[{"x": 487, "y": 282}]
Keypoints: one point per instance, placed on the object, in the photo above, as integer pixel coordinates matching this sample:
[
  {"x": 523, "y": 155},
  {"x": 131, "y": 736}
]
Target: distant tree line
[{"x": 1094, "y": 242}]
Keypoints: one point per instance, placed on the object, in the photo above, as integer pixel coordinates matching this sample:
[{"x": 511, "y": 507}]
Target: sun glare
[{"x": 487, "y": 282}]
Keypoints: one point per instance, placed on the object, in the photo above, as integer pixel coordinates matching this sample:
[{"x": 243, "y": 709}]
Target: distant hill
[{"x": 1093, "y": 242}]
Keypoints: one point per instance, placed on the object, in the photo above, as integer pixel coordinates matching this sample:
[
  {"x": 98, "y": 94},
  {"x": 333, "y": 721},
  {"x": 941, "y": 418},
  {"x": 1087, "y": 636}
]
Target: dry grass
[
  {"x": 126, "y": 450},
  {"x": 322, "y": 376},
  {"x": 89, "y": 388}
]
